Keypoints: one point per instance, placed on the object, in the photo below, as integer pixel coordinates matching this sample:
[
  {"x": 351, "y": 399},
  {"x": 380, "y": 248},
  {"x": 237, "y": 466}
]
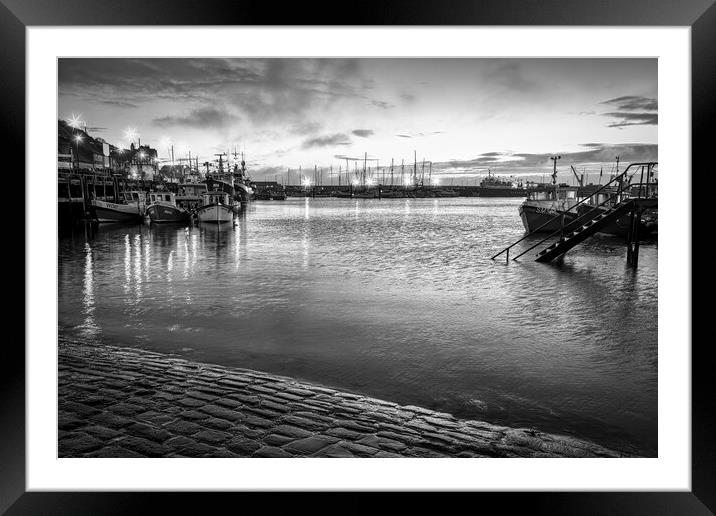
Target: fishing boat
[
  {"x": 607, "y": 198},
  {"x": 129, "y": 208},
  {"x": 539, "y": 211},
  {"x": 215, "y": 208},
  {"x": 162, "y": 207}
]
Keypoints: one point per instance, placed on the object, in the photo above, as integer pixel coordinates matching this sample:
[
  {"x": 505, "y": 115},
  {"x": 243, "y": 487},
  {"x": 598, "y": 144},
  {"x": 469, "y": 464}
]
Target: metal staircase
[
  {"x": 587, "y": 224},
  {"x": 584, "y": 231}
]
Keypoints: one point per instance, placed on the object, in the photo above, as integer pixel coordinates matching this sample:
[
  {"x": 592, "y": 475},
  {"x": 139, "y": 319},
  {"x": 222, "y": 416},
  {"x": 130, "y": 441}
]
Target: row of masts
[
  {"x": 367, "y": 176},
  {"x": 193, "y": 162}
]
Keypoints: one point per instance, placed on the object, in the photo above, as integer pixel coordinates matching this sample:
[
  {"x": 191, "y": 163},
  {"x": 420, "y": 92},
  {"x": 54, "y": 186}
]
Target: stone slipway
[{"x": 121, "y": 402}]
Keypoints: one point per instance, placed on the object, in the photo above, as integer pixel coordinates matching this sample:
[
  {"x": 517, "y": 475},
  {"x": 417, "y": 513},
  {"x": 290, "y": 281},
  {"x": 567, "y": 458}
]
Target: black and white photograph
[{"x": 357, "y": 257}]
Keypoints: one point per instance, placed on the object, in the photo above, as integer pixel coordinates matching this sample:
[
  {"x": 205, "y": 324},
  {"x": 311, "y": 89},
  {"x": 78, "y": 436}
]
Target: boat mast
[
  {"x": 365, "y": 162},
  {"x": 554, "y": 174}
]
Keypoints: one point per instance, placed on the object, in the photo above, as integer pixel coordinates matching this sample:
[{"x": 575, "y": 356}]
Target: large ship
[{"x": 494, "y": 186}]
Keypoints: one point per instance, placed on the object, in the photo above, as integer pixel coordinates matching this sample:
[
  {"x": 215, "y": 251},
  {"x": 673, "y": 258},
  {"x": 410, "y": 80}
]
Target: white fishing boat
[{"x": 216, "y": 208}]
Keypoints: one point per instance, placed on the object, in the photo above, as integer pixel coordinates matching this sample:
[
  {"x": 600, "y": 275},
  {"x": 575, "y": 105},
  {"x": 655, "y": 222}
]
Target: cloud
[
  {"x": 633, "y": 103},
  {"x": 632, "y": 110},
  {"x": 355, "y": 158},
  {"x": 203, "y": 118},
  {"x": 305, "y": 127},
  {"x": 119, "y": 103},
  {"x": 265, "y": 91},
  {"x": 594, "y": 155},
  {"x": 381, "y": 104},
  {"x": 625, "y": 119},
  {"x": 363, "y": 133},
  {"x": 327, "y": 141},
  {"x": 403, "y": 135}
]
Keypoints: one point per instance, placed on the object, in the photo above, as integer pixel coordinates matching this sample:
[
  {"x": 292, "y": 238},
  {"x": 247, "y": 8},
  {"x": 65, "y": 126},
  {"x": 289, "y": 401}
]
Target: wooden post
[{"x": 633, "y": 238}]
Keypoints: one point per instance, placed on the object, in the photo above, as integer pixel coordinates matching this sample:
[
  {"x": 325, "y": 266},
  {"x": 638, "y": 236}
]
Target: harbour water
[{"x": 394, "y": 298}]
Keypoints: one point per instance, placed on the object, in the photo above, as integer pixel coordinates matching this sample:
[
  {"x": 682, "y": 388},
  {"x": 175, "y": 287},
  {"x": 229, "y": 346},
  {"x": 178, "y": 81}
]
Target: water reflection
[
  {"x": 393, "y": 298},
  {"x": 89, "y": 328}
]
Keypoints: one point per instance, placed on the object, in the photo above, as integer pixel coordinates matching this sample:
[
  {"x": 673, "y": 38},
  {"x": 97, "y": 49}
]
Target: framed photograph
[{"x": 415, "y": 256}]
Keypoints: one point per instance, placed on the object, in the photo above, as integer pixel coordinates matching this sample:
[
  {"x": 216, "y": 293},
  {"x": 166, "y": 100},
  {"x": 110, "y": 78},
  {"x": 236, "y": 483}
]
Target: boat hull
[
  {"x": 533, "y": 218},
  {"x": 215, "y": 214},
  {"x": 112, "y": 212},
  {"x": 161, "y": 213},
  {"x": 619, "y": 227}
]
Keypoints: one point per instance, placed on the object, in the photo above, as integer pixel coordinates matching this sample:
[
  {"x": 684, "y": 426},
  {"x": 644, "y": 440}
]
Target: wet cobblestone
[{"x": 120, "y": 402}]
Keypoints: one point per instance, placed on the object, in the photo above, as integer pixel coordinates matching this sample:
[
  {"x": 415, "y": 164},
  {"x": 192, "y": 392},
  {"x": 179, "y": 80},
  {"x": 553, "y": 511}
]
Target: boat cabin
[
  {"x": 162, "y": 197},
  {"x": 216, "y": 197},
  {"x": 560, "y": 193},
  {"x": 131, "y": 197}
]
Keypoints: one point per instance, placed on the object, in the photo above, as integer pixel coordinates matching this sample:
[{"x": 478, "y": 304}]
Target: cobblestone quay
[{"x": 120, "y": 402}]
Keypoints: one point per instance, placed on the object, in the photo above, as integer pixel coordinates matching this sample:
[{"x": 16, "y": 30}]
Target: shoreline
[{"x": 128, "y": 402}]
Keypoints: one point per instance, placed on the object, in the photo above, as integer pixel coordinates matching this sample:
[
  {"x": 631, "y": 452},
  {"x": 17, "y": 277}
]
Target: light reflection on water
[{"x": 394, "y": 298}]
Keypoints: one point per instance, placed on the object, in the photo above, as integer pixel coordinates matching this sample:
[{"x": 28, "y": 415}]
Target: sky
[{"x": 464, "y": 115}]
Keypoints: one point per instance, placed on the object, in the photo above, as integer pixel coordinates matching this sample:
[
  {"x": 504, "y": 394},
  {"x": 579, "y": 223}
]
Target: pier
[{"x": 122, "y": 402}]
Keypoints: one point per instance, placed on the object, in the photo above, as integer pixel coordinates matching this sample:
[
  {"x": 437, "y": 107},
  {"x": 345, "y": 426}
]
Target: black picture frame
[{"x": 700, "y": 15}]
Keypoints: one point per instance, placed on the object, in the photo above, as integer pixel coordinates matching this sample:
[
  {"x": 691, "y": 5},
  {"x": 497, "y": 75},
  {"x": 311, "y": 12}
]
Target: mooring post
[{"x": 633, "y": 238}]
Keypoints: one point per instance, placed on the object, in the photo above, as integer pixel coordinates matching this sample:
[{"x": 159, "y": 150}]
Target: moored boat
[
  {"x": 163, "y": 208},
  {"x": 539, "y": 211},
  {"x": 215, "y": 208},
  {"x": 130, "y": 208},
  {"x": 605, "y": 200}
]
